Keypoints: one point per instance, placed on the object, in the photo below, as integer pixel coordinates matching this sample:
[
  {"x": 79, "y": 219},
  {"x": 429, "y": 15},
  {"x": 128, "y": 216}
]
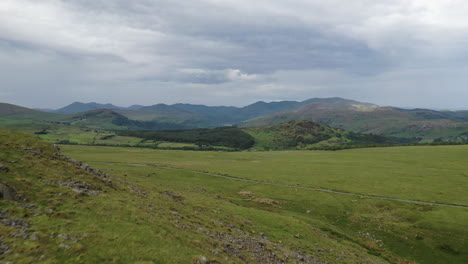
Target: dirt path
[{"x": 292, "y": 186}]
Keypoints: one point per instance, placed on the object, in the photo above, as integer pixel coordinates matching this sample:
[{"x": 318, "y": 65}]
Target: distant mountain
[
  {"x": 48, "y": 110},
  {"x": 199, "y": 115},
  {"x": 209, "y": 116},
  {"x": 78, "y": 107},
  {"x": 135, "y": 107}
]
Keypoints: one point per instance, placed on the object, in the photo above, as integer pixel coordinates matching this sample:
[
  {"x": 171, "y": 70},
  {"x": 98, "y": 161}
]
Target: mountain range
[{"x": 337, "y": 112}]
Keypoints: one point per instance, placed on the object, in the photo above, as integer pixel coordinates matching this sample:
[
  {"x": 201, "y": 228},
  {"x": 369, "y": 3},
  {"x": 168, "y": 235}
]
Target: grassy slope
[
  {"x": 18, "y": 112},
  {"x": 425, "y": 234},
  {"x": 149, "y": 216}
]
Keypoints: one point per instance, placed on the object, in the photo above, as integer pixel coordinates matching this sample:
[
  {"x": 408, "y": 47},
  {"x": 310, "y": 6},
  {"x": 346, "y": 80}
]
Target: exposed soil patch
[
  {"x": 266, "y": 201},
  {"x": 245, "y": 193}
]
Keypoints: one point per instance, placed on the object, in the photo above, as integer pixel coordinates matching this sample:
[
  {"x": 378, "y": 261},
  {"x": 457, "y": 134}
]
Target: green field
[
  {"x": 146, "y": 215},
  {"x": 389, "y": 229}
]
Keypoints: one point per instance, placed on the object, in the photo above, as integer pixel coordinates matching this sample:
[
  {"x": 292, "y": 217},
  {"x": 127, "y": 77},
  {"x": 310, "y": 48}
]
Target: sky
[{"x": 407, "y": 53}]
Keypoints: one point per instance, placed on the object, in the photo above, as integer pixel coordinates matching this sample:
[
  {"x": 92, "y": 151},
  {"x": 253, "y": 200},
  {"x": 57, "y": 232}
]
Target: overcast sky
[{"x": 409, "y": 53}]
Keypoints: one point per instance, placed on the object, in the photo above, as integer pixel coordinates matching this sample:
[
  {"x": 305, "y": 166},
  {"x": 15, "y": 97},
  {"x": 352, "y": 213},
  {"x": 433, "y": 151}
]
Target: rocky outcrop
[
  {"x": 104, "y": 177},
  {"x": 7, "y": 192}
]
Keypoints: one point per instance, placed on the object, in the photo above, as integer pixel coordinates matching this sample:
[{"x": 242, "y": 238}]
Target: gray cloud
[{"x": 53, "y": 52}]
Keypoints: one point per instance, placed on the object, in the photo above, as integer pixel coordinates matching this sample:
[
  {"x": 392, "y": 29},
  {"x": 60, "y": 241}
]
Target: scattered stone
[
  {"x": 20, "y": 225},
  {"x": 297, "y": 235},
  {"x": 246, "y": 246},
  {"x": 4, "y": 249},
  {"x": 6, "y": 221},
  {"x": 138, "y": 190},
  {"x": 201, "y": 260},
  {"x": 80, "y": 187},
  {"x": 68, "y": 237},
  {"x": 27, "y": 206},
  {"x": 62, "y": 245},
  {"x": 31, "y": 152}
]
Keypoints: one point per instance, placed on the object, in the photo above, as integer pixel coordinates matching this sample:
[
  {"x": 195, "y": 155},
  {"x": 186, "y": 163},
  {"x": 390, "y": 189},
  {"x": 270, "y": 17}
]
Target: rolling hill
[
  {"x": 336, "y": 112},
  {"x": 303, "y": 134},
  {"x": 368, "y": 118}
]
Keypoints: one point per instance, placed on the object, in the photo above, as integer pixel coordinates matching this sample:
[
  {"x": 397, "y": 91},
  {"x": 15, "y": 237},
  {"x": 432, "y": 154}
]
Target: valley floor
[{"x": 424, "y": 213}]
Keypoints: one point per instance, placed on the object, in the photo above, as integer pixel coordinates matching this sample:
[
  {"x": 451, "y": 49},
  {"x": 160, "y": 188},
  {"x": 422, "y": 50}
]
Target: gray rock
[
  {"x": 201, "y": 260},
  {"x": 62, "y": 245}
]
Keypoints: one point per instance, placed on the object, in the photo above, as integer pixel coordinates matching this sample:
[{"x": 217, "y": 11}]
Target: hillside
[
  {"x": 111, "y": 120},
  {"x": 59, "y": 210},
  {"x": 18, "y": 112},
  {"x": 305, "y": 134}
]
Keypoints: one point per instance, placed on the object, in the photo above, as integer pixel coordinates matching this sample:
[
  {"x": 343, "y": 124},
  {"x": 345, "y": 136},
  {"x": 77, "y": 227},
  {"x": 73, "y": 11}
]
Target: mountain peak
[{"x": 77, "y": 107}]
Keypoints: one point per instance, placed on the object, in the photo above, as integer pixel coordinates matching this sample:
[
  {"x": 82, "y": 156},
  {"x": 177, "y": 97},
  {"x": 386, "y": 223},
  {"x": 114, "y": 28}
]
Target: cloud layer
[{"x": 395, "y": 52}]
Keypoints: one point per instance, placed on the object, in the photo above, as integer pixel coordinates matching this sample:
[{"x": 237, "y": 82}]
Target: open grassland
[
  {"x": 391, "y": 230},
  {"x": 429, "y": 173}
]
